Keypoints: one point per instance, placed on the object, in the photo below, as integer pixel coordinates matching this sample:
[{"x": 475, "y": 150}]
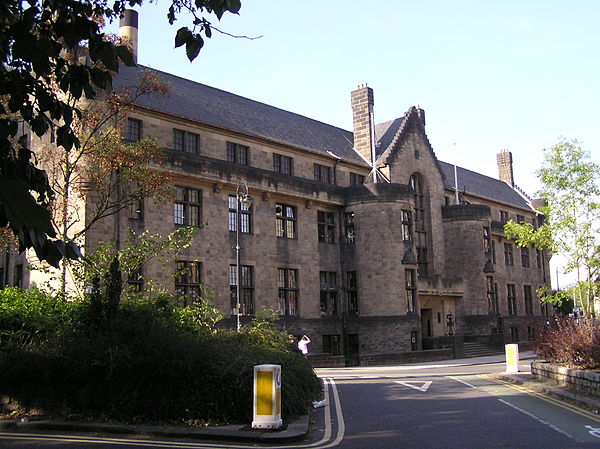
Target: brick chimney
[
  {"x": 363, "y": 122},
  {"x": 128, "y": 31},
  {"x": 505, "y": 167}
]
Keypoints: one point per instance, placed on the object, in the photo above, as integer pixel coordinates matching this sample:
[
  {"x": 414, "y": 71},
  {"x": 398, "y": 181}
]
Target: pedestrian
[{"x": 303, "y": 345}]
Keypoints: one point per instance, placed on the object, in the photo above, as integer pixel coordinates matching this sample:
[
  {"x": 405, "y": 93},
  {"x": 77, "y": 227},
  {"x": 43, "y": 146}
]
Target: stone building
[{"x": 364, "y": 261}]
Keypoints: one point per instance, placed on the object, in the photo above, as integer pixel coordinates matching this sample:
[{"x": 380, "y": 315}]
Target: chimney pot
[
  {"x": 128, "y": 31},
  {"x": 362, "y": 102},
  {"x": 505, "y": 167}
]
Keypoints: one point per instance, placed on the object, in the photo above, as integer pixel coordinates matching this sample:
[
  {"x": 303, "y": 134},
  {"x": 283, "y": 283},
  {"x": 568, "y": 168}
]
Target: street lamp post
[{"x": 242, "y": 197}]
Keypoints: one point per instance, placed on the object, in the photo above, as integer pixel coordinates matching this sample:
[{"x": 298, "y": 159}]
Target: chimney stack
[
  {"x": 128, "y": 31},
  {"x": 363, "y": 122},
  {"x": 505, "y": 167}
]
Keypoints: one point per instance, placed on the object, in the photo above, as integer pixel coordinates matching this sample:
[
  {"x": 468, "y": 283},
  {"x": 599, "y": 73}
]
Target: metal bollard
[{"x": 267, "y": 397}]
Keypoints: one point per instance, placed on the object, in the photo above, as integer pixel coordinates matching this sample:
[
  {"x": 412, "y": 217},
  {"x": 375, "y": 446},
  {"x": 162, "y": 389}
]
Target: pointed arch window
[{"x": 420, "y": 225}]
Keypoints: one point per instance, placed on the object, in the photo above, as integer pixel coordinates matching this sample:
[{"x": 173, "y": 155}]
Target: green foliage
[
  {"x": 156, "y": 364},
  {"x": 30, "y": 316},
  {"x": 114, "y": 288},
  {"x": 263, "y": 331},
  {"x": 570, "y": 196},
  {"x": 574, "y": 343},
  {"x": 201, "y": 315},
  {"x": 138, "y": 249},
  {"x": 37, "y": 77}
]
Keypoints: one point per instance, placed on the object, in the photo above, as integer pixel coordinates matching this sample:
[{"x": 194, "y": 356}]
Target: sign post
[{"x": 267, "y": 397}]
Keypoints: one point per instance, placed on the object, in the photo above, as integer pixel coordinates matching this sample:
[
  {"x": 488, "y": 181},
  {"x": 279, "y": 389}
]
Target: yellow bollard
[
  {"x": 267, "y": 397},
  {"x": 512, "y": 358}
]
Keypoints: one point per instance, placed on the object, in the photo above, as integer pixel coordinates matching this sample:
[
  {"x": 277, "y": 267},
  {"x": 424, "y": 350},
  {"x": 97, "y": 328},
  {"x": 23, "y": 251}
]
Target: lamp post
[{"x": 242, "y": 197}]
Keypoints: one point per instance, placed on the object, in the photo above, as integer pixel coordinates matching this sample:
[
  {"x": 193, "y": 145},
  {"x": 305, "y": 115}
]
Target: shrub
[
  {"x": 155, "y": 363},
  {"x": 571, "y": 342},
  {"x": 30, "y": 316}
]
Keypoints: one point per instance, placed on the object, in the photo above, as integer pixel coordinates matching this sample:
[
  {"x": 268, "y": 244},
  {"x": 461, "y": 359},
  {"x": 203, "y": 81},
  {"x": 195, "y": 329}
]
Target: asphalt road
[{"x": 436, "y": 405}]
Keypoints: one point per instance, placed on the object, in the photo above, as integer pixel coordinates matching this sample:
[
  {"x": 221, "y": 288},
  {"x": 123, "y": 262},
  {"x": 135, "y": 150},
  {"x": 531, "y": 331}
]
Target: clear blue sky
[{"x": 514, "y": 74}]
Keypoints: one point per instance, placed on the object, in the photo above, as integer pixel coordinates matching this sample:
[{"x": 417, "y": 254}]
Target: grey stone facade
[{"x": 400, "y": 261}]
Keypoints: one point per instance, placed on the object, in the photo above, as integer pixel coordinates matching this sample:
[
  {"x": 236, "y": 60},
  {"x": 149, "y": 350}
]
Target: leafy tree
[
  {"x": 570, "y": 194},
  {"x": 138, "y": 250},
  {"x": 37, "y": 71},
  {"x": 115, "y": 173}
]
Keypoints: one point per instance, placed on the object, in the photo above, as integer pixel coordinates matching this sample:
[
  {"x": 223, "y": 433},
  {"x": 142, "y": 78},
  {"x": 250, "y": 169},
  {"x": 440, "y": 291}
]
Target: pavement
[{"x": 294, "y": 431}]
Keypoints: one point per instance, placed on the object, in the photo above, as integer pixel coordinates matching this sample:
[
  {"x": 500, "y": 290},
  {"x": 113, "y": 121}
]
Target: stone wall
[
  {"x": 405, "y": 357},
  {"x": 584, "y": 382}
]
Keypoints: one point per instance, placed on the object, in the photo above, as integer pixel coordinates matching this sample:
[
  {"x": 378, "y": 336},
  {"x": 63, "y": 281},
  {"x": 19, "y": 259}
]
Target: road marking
[
  {"x": 423, "y": 388},
  {"x": 525, "y": 412},
  {"x": 546, "y": 398},
  {"x": 595, "y": 431},
  {"x": 461, "y": 381}
]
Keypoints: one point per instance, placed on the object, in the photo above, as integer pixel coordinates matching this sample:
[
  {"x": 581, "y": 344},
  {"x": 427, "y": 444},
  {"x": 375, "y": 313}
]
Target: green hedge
[{"x": 149, "y": 364}]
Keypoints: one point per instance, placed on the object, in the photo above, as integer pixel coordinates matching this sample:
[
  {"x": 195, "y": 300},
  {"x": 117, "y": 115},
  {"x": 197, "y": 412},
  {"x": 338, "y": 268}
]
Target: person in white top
[{"x": 303, "y": 345}]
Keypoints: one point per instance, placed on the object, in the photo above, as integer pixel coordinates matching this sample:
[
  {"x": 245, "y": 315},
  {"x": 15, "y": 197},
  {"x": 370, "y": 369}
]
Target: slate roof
[
  {"x": 213, "y": 106},
  {"x": 385, "y": 132},
  {"x": 216, "y": 107},
  {"x": 483, "y": 186}
]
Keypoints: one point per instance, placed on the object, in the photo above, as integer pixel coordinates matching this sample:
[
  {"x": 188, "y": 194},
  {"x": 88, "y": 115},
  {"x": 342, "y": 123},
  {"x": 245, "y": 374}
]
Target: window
[
  {"x": 326, "y": 226},
  {"x": 538, "y": 258},
  {"x": 327, "y": 280},
  {"x": 349, "y": 236},
  {"x": 420, "y": 230},
  {"x": 136, "y": 209},
  {"x": 511, "y": 295},
  {"x": 486, "y": 239},
  {"x": 2, "y": 279},
  {"x": 18, "y": 276},
  {"x": 246, "y": 289},
  {"x": 422, "y": 261},
  {"x": 520, "y": 219},
  {"x": 514, "y": 334},
  {"x": 530, "y": 333},
  {"x": 187, "y": 206},
  {"x": 508, "y": 254},
  {"x": 134, "y": 130},
  {"x": 356, "y": 179},
  {"x": 503, "y": 216},
  {"x": 407, "y": 225},
  {"x": 528, "y": 296},
  {"x": 331, "y": 344},
  {"x": 352, "y": 292},
  {"x": 135, "y": 280},
  {"x": 245, "y": 216},
  {"x": 185, "y": 141},
  {"x": 322, "y": 173},
  {"x": 237, "y": 153},
  {"x": 287, "y": 280},
  {"x": 493, "y": 251},
  {"x": 24, "y": 141},
  {"x": 285, "y": 221},
  {"x": 283, "y": 164},
  {"x": 525, "y": 257},
  {"x": 411, "y": 290},
  {"x": 187, "y": 282},
  {"x": 491, "y": 300},
  {"x": 496, "y": 308}
]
